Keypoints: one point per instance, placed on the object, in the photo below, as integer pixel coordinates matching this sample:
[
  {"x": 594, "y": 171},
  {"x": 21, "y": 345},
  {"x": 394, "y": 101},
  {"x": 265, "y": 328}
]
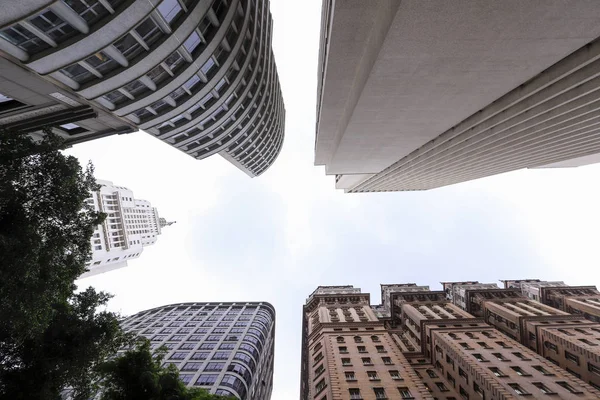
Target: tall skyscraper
[
  {"x": 226, "y": 348},
  {"x": 414, "y": 95},
  {"x": 130, "y": 225},
  {"x": 469, "y": 340},
  {"x": 197, "y": 74}
]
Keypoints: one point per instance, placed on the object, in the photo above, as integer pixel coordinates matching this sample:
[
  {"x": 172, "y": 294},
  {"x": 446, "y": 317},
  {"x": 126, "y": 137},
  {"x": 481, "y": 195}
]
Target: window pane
[
  {"x": 192, "y": 42},
  {"x": 90, "y": 10},
  {"x": 26, "y": 40},
  {"x": 77, "y": 73},
  {"x": 102, "y": 63},
  {"x": 129, "y": 47},
  {"x": 53, "y": 26},
  {"x": 169, "y": 9}
]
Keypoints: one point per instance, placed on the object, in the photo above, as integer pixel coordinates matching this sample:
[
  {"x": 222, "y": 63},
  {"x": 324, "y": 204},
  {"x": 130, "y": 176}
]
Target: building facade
[
  {"x": 409, "y": 99},
  {"x": 130, "y": 225},
  {"x": 197, "y": 74},
  {"x": 225, "y": 348},
  {"x": 462, "y": 342}
]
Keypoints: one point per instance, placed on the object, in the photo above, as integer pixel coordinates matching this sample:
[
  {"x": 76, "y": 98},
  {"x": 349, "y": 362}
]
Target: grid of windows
[{"x": 203, "y": 362}]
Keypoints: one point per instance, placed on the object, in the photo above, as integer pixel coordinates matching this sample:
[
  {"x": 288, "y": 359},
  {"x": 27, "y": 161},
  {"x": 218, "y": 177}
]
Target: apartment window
[
  {"x": 463, "y": 374},
  {"x": 518, "y": 389},
  {"x": 53, "y": 26},
  {"x": 479, "y": 390},
  {"x": 572, "y": 357},
  {"x": 551, "y": 346},
  {"x": 24, "y": 39},
  {"x": 521, "y": 356},
  {"x": 500, "y": 356},
  {"x": 187, "y": 346},
  {"x": 479, "y": 357},
  {"x": 373, "y": 376},
  {"x": 375, "y": 338},
  {"x": 78, "y": 73},
  {"x": 387, "y": 360},
  {"x": 357, "y": 339},
  {"x": 214, "y": 366},
  {"x": 362, "y": 349},
  {"x": 520, "y": 371},
  {"x": 380, "y": 349},
  {"x": 129, "y": 47},
  {"x": 405, "y": 393},
  {"x": 200, "y": 356},
  {"x": 593, "y": 368},
  {"x": 192, "y": 42},
  {"x": 320, "y": 369},
  {"x": 484, "y": 345},
  {"x": 191, "y": 366},
  {"x": 367, "y": 361},
  {"x": 504, "y": 345},
  {"x": 569, "y": 370},
  {"x": 543, "y": 388},
  {"x": 466, "y": 346},
  {"x": 395, "y": 375},
  {"x": 343, "y": 349},
  {"x": 340, "y": 339},
  {"x": 346, "y": 362},
  {"x": 542, "y": 370},
  {"x": 431, "y": 373},
  {"x": 379, "y": 393},
  {"x": 588, "y": 342},
  {"x": 169, "y": 9},
  {"x": 441, "y": 387},
  {"x": 320, "y": 386},
  {"x": 450, "y": 379},
  {"x": 497, "y": 371},
  {"x": 319, "y": 357},
  {"x": 568, "y": 387},
  {"x": 355, "y": 394},
  {"x": 463, "y": 393},
  {"x": 178, "y": 356},
  {"x": 350, "y": 376},
  {"x": 206, "y": 380}
]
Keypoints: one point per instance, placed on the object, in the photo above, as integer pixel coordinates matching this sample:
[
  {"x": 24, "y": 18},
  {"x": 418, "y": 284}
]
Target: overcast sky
[{"x": 276, "y": 237}]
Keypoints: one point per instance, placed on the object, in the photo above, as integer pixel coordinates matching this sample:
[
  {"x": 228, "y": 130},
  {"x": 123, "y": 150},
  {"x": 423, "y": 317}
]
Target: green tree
[
  {"x": 45, "y": 230},
  {"x": 138, "y": 374},
  {"x": 50, "y": 336},
  {"x": 77, "y": 339}
]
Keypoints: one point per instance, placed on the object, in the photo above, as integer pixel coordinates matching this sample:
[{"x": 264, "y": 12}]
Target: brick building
[{"x": 470, "y": 340}]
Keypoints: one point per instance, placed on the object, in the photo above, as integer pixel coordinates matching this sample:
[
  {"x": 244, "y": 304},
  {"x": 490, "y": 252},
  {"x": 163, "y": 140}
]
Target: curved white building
[
  {"x": 225, "y": 348},
  {"x": 197, "y": 74}
]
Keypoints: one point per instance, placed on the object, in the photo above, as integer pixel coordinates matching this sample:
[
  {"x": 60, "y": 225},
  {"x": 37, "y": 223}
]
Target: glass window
[
  {"x": 200, "y": 355},
  {"x": 191, "y": 82},
  {"x": 90, "y": 10},
  {"x": 135, "y": 88},
  {"x": 129, "y": 47},
  {"x": 207, "y": 66},
  {"x": 102, "y": 63},
  {"x": 214, "y": 366},
  {"x": 169, "y": 9},
  {"x": 24, "y": 39},
  {"x": 53, "y": 26},
  {"x": 149, "y": 31},
  {"x": 206, "y": 380},
  {"x": 157, "y": 75},
  {"x": 192, "y": 42},
  {"x": 77, "y": 73},
  {"x": 173, "y": 61},
  {"x": 191, "y": 366}
]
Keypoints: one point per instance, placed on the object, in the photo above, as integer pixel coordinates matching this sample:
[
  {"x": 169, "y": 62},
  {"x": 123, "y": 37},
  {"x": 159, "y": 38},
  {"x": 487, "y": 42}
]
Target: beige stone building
[{"x": 467, "y": 341}]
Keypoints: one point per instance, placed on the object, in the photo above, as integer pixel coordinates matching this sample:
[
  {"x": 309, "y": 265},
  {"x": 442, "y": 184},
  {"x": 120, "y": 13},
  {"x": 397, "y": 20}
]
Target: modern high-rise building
[
  {"x": 470, "y": 340},
  {"x": 414, "y": 95},
  {"x": 197, "y": 74},
  {"x": 130, "y": 225},
  {"x": 225, "y": 348}
]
